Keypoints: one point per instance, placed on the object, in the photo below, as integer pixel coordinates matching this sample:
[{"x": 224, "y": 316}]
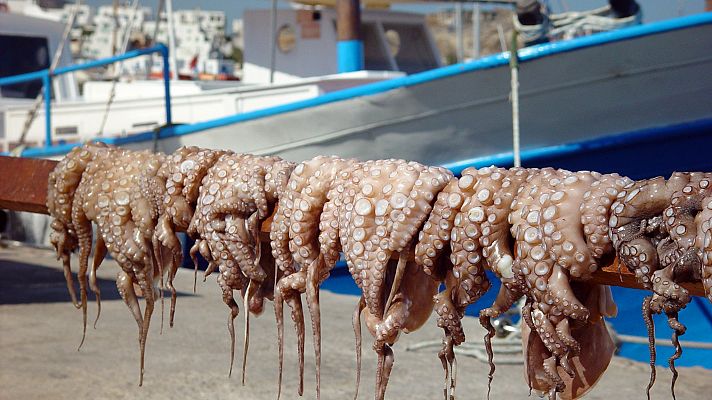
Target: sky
[{"x": 653, "y": 10}]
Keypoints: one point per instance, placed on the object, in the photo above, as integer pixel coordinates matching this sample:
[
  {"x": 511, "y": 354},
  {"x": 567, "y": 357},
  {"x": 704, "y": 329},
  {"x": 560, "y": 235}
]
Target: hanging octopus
[
  {"x": 295, "y": 238},
  {"x": 119, "y": 193},
  {"x": 369, "y": 210},
  {"x": 382, "y": 206},
  {"x": 471, "y": 215},
  {"x": 659, "y": 229},
  {"x": 238, "y": 194},
  {"x": 474, "y": 215},
  {"x": 543, "y": 232},
  {"x": 182, "y": 174},
  {"x": 62, "y": 186},
  {"x": 559, "y": 226}
]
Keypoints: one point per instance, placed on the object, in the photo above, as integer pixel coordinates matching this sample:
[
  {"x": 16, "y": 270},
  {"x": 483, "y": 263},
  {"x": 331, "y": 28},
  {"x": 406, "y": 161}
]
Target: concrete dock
[{"x": 40, "y": 331}]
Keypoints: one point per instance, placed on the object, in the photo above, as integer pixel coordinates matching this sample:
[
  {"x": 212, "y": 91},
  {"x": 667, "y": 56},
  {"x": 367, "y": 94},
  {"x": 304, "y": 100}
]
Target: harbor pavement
[{"x": 40, "y": 331}]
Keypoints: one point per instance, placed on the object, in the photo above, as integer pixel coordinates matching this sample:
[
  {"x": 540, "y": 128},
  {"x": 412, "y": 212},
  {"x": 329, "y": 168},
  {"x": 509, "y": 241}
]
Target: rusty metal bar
[
  {"x": 23, "y": 187},
  {"x": 23, "y": 183}
]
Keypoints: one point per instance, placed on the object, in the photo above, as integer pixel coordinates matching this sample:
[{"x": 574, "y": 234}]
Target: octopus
[
  {"x": 471, "y": 216},
  {"x": 119, "y": 192},
  {"x": 295, "y": 240},
  {"x": 370, "y": 211},
  {"x": 240, "y": 192},
  {"x": 62, "y": 186},
  {"x": 560, "y": 234},
  {"x": 404, "y": 230},
  {"x": 383, "y": 206},
  {"x": 661, "y": 231},
  {"x": 182, "y": 174},
  {"x": 535, "y": 229}
]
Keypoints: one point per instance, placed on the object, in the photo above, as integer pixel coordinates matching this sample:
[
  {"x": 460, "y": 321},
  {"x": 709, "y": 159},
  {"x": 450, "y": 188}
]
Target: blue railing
[{"x": 46, "y": 75}]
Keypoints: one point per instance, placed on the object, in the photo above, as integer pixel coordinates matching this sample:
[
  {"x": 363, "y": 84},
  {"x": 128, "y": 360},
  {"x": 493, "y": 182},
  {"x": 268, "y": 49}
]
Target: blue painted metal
[
  {"x": 349, "y": 55},
  {"x": 167, "y": 84},
  {"x": 46, "y": 76},
  {"x": 30, "y": 76},
  {"x": 159, "y": 48},
  {"x": 47, "y": 85}
]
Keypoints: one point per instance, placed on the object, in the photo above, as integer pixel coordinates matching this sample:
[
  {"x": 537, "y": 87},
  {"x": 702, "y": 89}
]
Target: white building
[
  {"x": 198, "y": 36},
  {"x": 238, "y": 36},
  {"x": 101, "y": 43}
]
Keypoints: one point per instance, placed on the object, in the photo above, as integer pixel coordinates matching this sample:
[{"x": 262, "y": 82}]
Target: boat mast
[
  {"x": 171, "y": 40},
  {"x": 349, "y": 48},
  {"x": 476, "y": 31},
  {"x": 273, "y": 41},
  {"x": 460, "y": 51}
]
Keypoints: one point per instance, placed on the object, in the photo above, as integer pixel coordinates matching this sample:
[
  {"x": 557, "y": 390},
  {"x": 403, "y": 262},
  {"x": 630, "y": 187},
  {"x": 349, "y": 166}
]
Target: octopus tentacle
[
  {"x": 356, "y": 320},
  {"x": 596, "y": 211},
  {"x": 385, "y": 365},
  {"x": 312, "y": 292},
  {"x": 227, "y": 293},
  {"x": 504, "y": 301},
  {"x": 124, "y": 284},
  {"x": 704, "y": 243},
  {"x": 437, "y": 229},
  {"x": 249, "y": 292},
  {"x": 290, "y": 283},
  {"x": 194, "y": 249},
  {"x": 145, "y": 280},
  {"x": 650, "y": 325},
  {"x": 83, "y": 231},
  {"x": 99, "y": 255},
  {"x": 63, "y": 183},
  {"x": 677, "y": 330}
]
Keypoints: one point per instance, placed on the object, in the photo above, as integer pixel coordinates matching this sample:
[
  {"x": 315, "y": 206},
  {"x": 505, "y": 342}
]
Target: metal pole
[
  {"x": 349, "y": 45},
  {"x": 514, "y": 66},
  {"x": 458, "y": 32},
  {"x": 47, "y": 85},
  {"x": 167, "y": 85},
  {"x": 476, "y": 31},
  {"x": 172, "y": 39},
  {"x": 273, "y": 41}
]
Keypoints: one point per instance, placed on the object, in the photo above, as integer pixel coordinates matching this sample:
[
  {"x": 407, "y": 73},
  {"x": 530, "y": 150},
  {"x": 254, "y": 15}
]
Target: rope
[
  {"x": 154, "y": 36},
  {"x": 662, "y": 342},
  {"x": 514, "y": 97},
  {"x": 119, "y": 69},
  {"x": 568, "y": 25},
  {"x": 32, "y": 112}
]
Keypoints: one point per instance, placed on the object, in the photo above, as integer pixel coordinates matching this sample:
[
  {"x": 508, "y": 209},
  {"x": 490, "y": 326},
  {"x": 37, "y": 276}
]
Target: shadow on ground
[{"x": 24, "y": 283}]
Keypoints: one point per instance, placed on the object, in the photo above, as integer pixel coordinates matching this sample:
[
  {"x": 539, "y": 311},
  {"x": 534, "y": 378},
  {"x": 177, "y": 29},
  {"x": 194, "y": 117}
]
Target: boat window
[
  {"x": 375, "y": 56},
  {"x": 28, "y": 54},
  {"x": 415, "y": 53},
  {"x": 286, "y": 39}
]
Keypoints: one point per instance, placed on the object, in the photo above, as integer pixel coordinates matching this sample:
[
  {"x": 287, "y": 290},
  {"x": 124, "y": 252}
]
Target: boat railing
[{"x": 46, "y": 76}]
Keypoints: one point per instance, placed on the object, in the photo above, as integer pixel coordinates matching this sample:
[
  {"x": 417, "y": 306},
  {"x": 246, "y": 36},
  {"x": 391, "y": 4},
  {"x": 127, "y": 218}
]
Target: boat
[
  {"x": 617, "y": 90},
  {"x": 137, "y": 106}
]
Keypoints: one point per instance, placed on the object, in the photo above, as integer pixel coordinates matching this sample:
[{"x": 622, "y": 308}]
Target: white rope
[
  {"x": 572, "y": 24},
  {"x": 32, "y": 112},
  {"x": 514, "y": 97},
  {"x": 119, "y": 69}
]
